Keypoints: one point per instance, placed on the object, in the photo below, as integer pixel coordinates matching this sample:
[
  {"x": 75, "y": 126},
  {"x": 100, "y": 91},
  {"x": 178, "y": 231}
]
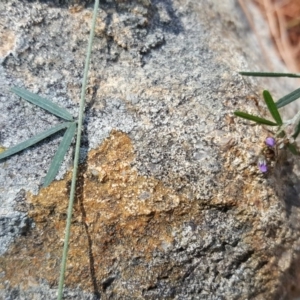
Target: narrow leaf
[
  {"x": 33, "y": 140},
  {"x": 43, "y": 103},
  {"x": 272, "y": 107},
  {"x": 297, "y": 131},
  {"x": 281, "y": 134},
  {"x": 254, "y": 118},
  {"x": 288, "y": 98},
  {"x": 270, "y": 74},
  {"x": 60, "y": 154},
  {"x": 293, "y": 149}
]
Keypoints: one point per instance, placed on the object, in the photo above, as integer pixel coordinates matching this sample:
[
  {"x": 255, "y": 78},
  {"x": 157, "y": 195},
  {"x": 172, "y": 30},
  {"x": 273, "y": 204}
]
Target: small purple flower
[
  {"x": 270, "y": 141},
  {"x": 262, "y": 164}
]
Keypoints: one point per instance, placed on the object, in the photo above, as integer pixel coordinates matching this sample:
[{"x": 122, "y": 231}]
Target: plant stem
[
  {"x": 76, "y": 158},
  {"x": 287, "y": 123}
]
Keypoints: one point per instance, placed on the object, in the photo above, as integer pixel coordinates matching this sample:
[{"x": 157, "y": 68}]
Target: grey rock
[{"x": 164, "y": 74}]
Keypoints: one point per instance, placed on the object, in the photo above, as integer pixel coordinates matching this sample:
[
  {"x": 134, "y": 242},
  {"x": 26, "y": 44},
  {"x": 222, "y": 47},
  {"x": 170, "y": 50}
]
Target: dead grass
[{"x": 283, "y": 18}]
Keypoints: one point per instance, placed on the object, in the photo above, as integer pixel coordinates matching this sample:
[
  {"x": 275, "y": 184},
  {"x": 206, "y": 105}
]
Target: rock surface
[{"x": 170, "y": 203}]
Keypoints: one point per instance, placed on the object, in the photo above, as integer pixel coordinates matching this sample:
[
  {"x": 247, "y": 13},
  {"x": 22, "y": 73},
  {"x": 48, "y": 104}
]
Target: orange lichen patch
[
  {"x": 118, "y": 215},
  {"x": 7, "y": 42}
]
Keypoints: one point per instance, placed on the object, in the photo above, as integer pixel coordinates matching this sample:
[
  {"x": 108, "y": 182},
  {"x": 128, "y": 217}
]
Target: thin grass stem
[{"x": 76, "y": 158}]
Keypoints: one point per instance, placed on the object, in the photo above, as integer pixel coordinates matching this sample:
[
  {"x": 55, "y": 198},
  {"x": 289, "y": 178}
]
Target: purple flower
[
  {"x": 270, "y": 141},
  {"x": 262, "y": 164},
  {"x": 263, "y": 168}
]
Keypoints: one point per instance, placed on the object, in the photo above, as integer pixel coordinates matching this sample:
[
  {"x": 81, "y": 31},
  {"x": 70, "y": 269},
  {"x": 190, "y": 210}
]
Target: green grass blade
[
  {"x": 270, "y": 74},
  {"x": 76, "y": 155},
  {"x": 272, "y": 107},
  {"x": 33, "y": 140},
  {"x": 293, "y": 149},
  {"x": 43, "y": 103},
  {"x": 254, "y": 118},
  {"x": 288, "y": 98},
  {"x": 297, "y": 131},
  {"x": 60, "y": 154}
]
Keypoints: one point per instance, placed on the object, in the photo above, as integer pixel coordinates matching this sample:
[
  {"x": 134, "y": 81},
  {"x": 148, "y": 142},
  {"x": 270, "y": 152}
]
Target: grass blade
[
  {"x": 293, "y": 149},
  {"x": 60, "y": 154},
  {"x": 297, "y": 131},
  {"x": 33, "y": 140},
  {"x": 76, "y": 155},
  {"x": 254, "y": 118},
  {"x": 43, "y": 103},
  {"x": 272, "y": 107},
  {"x": 270, "y": 74},
  {"x": 288, "y": 98}
]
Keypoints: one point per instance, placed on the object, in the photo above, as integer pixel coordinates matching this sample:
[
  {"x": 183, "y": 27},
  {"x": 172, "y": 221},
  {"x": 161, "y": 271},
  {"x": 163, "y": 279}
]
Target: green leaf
[
  {"x": 254, "y": 118},
  {"x": 270, "y": 74},
  {"x": 60, "y": 154},
  {"x": 272, "y": 107},
  {"x": 281, "y": 134},
  {"x": 33, "y": 140},
  {"x": 293, "y": 149},
  {"x": 43, "y": 103},
  {"x": 288, "y": 98},
  {"x": 297, "y": 131}
]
